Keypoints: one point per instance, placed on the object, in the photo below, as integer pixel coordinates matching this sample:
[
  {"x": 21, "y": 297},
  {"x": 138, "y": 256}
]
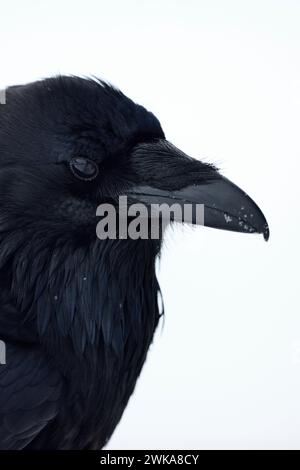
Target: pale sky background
[{"x": 223, "y": 77}]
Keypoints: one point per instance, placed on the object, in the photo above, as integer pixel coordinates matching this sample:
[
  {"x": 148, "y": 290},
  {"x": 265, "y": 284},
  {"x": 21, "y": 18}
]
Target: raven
[{"x": 78, "y": 314}]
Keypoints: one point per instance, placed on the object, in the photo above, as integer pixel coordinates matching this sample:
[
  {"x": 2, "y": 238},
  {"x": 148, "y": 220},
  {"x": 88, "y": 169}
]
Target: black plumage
[{"x": 78, "y": 314}]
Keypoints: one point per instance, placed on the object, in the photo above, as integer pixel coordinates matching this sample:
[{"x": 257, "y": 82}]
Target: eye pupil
[{"x": 84, "y": 168}]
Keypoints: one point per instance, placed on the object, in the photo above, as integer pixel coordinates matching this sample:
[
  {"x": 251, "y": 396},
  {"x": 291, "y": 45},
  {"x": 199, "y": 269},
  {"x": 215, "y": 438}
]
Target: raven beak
[{"x": 225, "y": 205}]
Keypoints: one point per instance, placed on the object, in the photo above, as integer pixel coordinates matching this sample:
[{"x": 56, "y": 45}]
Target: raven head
[{"x": 68, "y": 144}]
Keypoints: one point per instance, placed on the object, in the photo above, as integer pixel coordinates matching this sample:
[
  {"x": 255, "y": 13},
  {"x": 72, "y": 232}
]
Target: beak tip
[{"x": 266, "y": 232}]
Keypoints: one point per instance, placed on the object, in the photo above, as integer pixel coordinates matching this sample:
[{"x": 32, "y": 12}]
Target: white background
[{"x": 223, "y": 77}]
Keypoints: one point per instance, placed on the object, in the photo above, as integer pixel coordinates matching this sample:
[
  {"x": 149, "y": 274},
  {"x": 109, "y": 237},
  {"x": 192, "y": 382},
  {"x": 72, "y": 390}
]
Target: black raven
[{"x": 78, "y": 314}]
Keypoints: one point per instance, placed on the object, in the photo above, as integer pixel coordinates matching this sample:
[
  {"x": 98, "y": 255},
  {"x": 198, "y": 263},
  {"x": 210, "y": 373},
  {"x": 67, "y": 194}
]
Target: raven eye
[{"x": 84, "y": 168}]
